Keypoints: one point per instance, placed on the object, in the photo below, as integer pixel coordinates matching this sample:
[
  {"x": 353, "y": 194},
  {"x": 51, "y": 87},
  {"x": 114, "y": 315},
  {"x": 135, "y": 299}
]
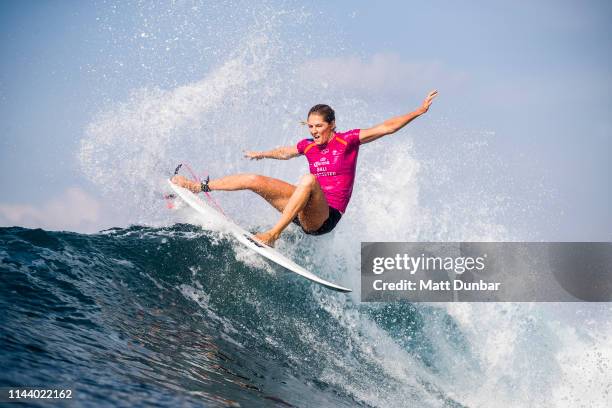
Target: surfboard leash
[{"x": 196, "y": 178}]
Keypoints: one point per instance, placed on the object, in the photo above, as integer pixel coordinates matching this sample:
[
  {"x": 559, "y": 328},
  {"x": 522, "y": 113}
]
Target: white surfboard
[{"x": 248, "y": 239}]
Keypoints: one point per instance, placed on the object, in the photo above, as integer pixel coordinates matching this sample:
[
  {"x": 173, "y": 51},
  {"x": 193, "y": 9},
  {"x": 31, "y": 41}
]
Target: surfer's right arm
[{"x": 280, "y": 153}]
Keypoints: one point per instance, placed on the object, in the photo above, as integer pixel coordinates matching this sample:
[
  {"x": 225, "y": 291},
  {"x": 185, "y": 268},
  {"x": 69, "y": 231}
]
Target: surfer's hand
[
  {"x": 428, "y": 100},
  {"x": 253, "y": 155}
]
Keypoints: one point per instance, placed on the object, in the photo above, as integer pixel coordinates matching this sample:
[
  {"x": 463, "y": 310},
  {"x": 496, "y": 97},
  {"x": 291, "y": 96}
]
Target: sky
[{"x": 531, "y": 80}]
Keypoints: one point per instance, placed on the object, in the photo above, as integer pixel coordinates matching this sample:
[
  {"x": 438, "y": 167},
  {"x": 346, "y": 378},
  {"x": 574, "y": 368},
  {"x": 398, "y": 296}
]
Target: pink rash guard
[{"x": 334, "y": 164}]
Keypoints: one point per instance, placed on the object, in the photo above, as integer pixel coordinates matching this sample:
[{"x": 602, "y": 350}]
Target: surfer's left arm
[
  {"x": 394, "y": 124},
  {"x": 280, "y": 153}
]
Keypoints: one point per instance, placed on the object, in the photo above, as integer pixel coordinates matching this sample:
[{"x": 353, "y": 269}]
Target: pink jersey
[{"x": 334, "y": 164}]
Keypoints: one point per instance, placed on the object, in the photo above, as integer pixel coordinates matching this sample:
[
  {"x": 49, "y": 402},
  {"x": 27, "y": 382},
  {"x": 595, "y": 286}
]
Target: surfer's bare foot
[
  {"x": 268, "y": 238},
  {"x": 182, "y": 181}
]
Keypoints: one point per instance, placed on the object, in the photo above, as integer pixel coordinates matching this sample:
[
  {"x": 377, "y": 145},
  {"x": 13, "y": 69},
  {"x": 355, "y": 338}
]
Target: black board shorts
[{"x": 329, "y": 224}]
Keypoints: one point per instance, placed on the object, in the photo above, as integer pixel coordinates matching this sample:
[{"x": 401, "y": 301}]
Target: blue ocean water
[{"x": 168, "y": 316}]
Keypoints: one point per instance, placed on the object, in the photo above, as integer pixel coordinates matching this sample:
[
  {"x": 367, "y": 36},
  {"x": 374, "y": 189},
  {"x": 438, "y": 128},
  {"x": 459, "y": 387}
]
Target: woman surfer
[{"x": 320, "y": 198}]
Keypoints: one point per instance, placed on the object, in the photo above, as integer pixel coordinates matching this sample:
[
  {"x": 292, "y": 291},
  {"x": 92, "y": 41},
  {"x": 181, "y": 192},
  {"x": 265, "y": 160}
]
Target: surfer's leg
[
  {"x": 316, "y": 210},
  {"x": 308, "y": 203},
  {"x": 274, "y": 191}
]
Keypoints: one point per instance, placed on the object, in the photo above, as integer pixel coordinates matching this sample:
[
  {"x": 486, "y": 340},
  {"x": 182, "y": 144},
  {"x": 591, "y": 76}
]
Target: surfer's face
[{"x": 320, "y": 130}]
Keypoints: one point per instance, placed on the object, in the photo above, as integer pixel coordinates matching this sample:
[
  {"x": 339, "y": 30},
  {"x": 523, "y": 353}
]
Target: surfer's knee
[
  {"x": 308, "y": 180},
  {"x": 254, "y": 180}
]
